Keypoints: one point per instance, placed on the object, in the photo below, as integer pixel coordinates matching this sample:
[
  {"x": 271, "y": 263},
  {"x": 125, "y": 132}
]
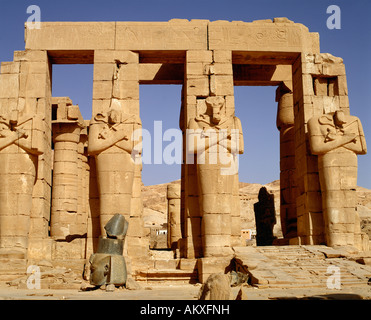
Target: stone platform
[{"x": 275, "y": 272}]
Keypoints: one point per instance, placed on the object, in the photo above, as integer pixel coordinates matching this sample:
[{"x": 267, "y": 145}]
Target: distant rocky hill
[{"x": 155, "y": 205}]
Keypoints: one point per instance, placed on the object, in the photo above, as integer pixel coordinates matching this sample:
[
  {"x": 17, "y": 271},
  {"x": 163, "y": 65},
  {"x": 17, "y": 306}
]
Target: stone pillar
[
  {"x": 65, "y": 220},
  {"x": 320, "y": 89},
  {"x": 210, "y": 87},
  {"x": 83, "y": 181},
  {"x": 310, "y": 227},
  {"x": 285, "y": 124},
  {"x": 337, "y": 139},
  {"x": 173, "y": 216},
  {"x": 196, "y": 85},
  {"x": 115, "y": 147},
  {"x": 26, "y": 157},
  {"x": 17, "y": 174},
  {"x": 93, "y": 210}
]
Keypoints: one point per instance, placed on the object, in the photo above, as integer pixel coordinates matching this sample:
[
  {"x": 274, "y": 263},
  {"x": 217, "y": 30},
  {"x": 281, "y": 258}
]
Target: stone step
[
  {"x": 171, "y": 270},
  {"x": 12, "y": 268},
  {"x": 170, "y": 275}
]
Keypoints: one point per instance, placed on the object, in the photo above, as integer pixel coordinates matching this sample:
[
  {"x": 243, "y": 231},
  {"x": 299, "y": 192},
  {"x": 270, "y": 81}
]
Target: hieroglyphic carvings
[
  {"x": 281, "y": 35},
  {"x": 161, "y": 36}
]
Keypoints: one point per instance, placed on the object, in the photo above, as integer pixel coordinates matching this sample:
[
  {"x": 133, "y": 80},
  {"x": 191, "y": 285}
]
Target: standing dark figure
[{"x": 265, "y": 218}]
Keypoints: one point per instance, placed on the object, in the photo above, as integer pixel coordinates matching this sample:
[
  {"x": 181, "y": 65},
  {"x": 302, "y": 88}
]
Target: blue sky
[{"x": 255, "y": 106}]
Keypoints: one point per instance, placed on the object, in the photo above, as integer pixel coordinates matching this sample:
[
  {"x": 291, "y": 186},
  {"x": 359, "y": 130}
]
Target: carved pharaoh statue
[
  {"x": 111, "y": 142},
  {"x": 337, "y": 139},
  {"x": 20, "y": 145},
  {"x": 217, "y": 140}
]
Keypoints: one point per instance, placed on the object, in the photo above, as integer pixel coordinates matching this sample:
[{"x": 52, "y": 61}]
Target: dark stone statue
[
  {"x": 107, "y": 265},
  {"x": 265, "y": 218}
]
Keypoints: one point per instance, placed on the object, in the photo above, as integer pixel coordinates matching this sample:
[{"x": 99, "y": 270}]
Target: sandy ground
[{"x": 183, "y": 292}]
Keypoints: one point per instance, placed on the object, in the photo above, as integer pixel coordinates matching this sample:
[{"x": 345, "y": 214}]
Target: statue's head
[
  {"x": 99, "y": 268},
  {"x": 215, "y": 104},
  {"x": 263, "y": 194},
  {"x": 339, "y": 118},
  {"x": 114, "y": 116}
]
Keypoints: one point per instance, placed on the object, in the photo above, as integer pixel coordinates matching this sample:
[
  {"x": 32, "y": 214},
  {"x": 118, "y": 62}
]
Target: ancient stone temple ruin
[{"x": 64, "y": 177}]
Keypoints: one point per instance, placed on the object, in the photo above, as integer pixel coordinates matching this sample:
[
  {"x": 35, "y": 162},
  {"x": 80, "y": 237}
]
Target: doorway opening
[
  {"x": 160, "y": 107},
  {"x": 259, "y": 166},
  {"x": 162, "y": 138}
]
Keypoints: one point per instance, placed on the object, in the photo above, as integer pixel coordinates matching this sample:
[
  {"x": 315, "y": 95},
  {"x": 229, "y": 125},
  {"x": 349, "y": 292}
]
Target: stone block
[
  {"x": 196, "y": 68},
  {"x": 129, "y": 72},
  {"x": 104, "y": 71},
  {"x": 342, "y": 85},
  {"x": 198, "y": 86},
  {"x": 188, "y": 264},
  {"x": 221, "y": 85},
  {"x": 33, "y": 85},
  {"x": 74, "y": 249},
  {"x": 221, "y": 68},
  {"x": 10, "y": 67},
  {"x": 71, "y": 36},
  {"x": 236, "y": 36},
  {"x": 31, "y": 55},
  {"x": 114, "y": 56},
  {"x": 34, "y": 67},
  {"x": 194, "y": 56},
  {"x": 102, "y": 90},
  {"x": 208, "y": 266},
  {"x": 15, "y": 226},
  {"x": 9, "y": 86},
  {"x": 222, "y": 56},
  {"x": 128, "y": 89},
  {"x": 217, "y": 224},
  {"x": 166, "y": 264},
  {"x": 333, "y": 69},
  {"x": 40, "y": 249},
  {"x": 39, "y": 227},
  {"x": 161, "y": 35}
]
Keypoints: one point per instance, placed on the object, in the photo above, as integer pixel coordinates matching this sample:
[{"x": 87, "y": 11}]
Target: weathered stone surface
[
  {"x": 216, "y": 287},
  {"x": 71, "y": 36}
]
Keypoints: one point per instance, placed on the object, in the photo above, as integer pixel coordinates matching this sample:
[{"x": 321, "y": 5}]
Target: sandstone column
[
  {"x": 18, "y": 174},
  {"x": 114, "y": 141},
  {"x": 26, "y": 158},
  {"x": 337, "y": 139},
  {"x": 285, "y": 124},
  {"x": 320, "y": 89},
  {"x": 66, "y": 137},
  {"x": 210, "y": 110},
  {"x": 173, "y": 216}
]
